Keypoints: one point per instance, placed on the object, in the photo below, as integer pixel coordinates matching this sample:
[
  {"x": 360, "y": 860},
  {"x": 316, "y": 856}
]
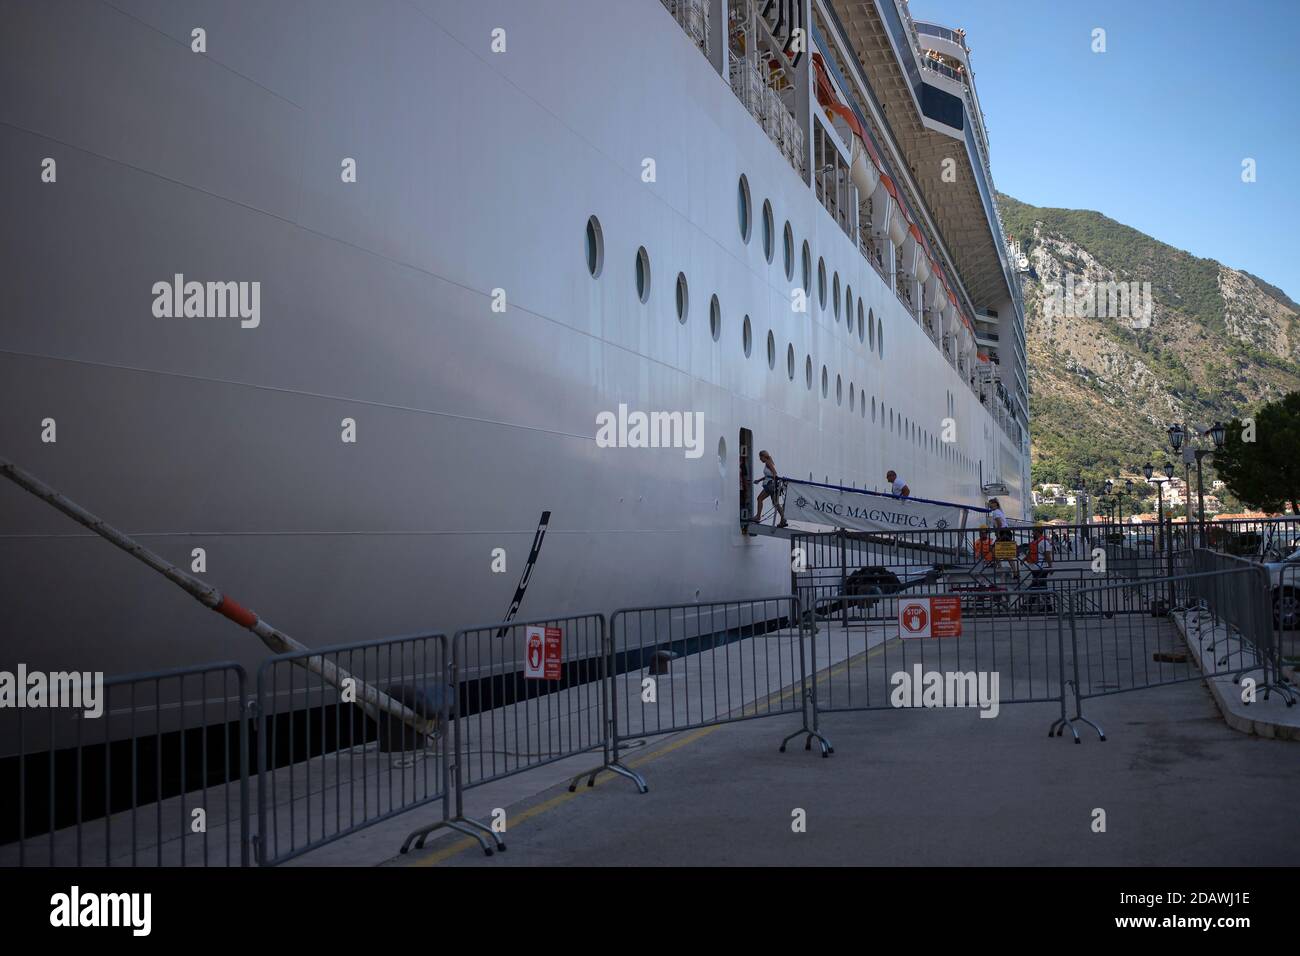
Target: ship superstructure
[{"x": 472, "y": 232}]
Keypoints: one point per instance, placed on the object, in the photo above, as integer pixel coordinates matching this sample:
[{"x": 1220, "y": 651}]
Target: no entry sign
[
  {"x": 929, "y": 617},
  {"x": 543, "y": 648}
]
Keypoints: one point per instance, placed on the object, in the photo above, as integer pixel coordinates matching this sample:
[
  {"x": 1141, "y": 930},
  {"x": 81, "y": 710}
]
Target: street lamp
[
  {"x": 1148, "y": 471},
  {"x": 1177, "y": 435},
  {"x": 1215, "y": 432}
]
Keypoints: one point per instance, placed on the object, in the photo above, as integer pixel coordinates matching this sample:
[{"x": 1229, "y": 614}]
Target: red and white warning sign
[
  {"x": 929, "y": 617},
  {"x": 543, "y": 649}
]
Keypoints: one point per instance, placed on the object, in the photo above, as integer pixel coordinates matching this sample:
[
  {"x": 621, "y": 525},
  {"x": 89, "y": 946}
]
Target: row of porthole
[
  {"x": 870, "y": 326},
  {"x": 595, "y": 265},
  {"x": 874, "y": 328}
]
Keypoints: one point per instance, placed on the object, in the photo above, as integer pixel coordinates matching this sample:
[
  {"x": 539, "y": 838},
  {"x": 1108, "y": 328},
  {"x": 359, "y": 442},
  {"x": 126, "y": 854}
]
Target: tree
[{"x": 1264, "y": 473}]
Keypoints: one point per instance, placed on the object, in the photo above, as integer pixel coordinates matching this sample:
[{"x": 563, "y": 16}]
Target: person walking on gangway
[
  {"x": 897, "y": 486},
  {"x": 771, "y": 488},
  {"x": 998, "y": 519}
]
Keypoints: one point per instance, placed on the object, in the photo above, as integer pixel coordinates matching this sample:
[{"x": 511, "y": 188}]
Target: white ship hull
[{"x": 476, "y": 171}]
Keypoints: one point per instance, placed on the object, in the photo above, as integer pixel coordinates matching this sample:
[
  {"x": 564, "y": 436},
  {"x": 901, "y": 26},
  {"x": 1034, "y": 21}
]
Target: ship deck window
[
  {"x": 742, "y": 199},
  {"x": 807, "y": 371},
  {"x": 643, "y": 274},
  {"x": 839, "y": 390},
  {"x": 789, "y": 361},
  {"x": 821, "y": 282},
  {"x": 871, "y": 329},
  {"x": 880, "y": 338},
  {"x": 861, "y": 331},
  {"x": 715, "y": 318},
  {"x": 848, "y": 306},
  {"x": 771, "y": 350},
  {"x": 789, "y": 251},
  {"x": 835, "y": 291},
  {"x": 807, "y": 269},
  {"x": 747, "y": 337},
  {"x": 683, "y": 297},
  {"x": 595, "y": 247},
  {"x": 768, "y": 229},
  {"x": 825, "y": 382}
]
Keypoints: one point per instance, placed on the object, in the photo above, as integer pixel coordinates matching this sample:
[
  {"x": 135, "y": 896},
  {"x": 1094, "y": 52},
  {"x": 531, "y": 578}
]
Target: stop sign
[{"x": 915, "y": 617}]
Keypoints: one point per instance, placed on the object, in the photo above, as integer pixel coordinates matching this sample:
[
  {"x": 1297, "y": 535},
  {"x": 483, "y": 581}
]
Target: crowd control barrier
[
  {"x": 684, "y": 666},
  {"x": 344, "y": 737},
  {"x": 150, "y": 770},
  {"x": 331, "y": 762}
]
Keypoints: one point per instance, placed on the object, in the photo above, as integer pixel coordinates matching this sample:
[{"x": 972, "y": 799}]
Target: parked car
[{"x": 1285, "y": 578}]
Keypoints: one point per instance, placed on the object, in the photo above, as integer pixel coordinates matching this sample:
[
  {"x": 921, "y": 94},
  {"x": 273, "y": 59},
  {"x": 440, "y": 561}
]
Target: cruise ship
[{"x": 325, "y": 302}]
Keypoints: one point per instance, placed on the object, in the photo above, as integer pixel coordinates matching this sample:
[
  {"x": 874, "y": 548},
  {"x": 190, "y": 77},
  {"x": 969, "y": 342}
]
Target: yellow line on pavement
[{"x": 459, "y": 846}]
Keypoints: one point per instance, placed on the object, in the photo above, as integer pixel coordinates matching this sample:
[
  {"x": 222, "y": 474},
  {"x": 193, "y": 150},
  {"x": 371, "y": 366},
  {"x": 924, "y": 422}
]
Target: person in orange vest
[
  {"x": 984, "y": 545},
  {"x": 1040, "y": 550}
]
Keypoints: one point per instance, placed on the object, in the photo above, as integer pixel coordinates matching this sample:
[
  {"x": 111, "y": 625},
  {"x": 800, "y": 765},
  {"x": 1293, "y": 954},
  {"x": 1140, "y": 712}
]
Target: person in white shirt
[
  {"x": 771, "y": 488},
  {"x": 897, "y": 486},
  {"x": 998, "y": 520}
]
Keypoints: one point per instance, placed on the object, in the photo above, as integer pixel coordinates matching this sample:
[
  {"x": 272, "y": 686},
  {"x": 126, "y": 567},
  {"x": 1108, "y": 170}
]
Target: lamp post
[
  {"x": 1148, "y": 471},
  {"x": 1108, "y": 503},
  {"x": 1177, "y": 434}
]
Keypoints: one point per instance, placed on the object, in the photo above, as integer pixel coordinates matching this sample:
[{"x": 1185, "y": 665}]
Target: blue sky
[{"x": 1152, "y": 132}]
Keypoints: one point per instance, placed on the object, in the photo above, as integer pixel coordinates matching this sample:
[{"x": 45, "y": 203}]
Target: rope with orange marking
[{"x": 375, "y": 702}]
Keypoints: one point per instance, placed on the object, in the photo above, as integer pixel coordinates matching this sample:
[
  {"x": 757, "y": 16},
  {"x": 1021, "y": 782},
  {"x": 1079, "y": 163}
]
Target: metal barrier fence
[
  {"x": 982, "y": 659},
  {"x": 330, "y": 763},
  {"x": 531, "y": 693},
  {"x": 158, "y": 777},
  {"x": 166, "y": 779},
  {"x": 1226, "y": 631},
  {"x": 685, "y": 666},
  {"x": 1146, "y": 546}
]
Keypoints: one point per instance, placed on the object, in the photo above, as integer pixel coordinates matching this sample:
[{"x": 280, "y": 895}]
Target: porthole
[
  {"x": 742, "y": 199},
  {"x": 683, "y": 297},
  {"x": 852, "y": 396},
  {"x": 848, "y": 307},
  {"x": 643, "y": 274},
  {"x": 789, "y": 251},
  {"x": 768, "y": 228},
  {"x": 821, "y": 282},
  {"x": 835, "y": 292},
  {"x": 880, "y": 338},
  {"x": 771, "y": 351},
  {"x": 789, "y": 361},
  {"x": 747, "y": 337},
  {"x": 807, "y": 371},
  {"x": 871, "y": 330},
  {"x": 839, "y": 390},
  {"x": 807, "y": 269},
  {"x": 715, "y": 318},
  {"x": 873, "y": 408},
  {"x": 861, "y": 327},
  {"x": 826, "y": 383},
  {"x": 722, "y": 457},
  {"x": 595, "y": 247}
]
